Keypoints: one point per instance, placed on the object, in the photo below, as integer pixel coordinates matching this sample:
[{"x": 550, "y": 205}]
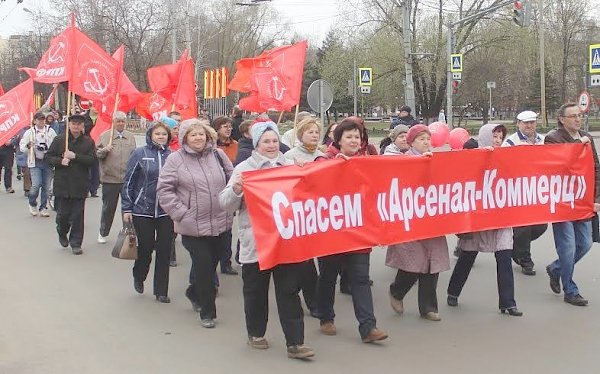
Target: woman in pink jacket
[{"x": 188, "y": 190}]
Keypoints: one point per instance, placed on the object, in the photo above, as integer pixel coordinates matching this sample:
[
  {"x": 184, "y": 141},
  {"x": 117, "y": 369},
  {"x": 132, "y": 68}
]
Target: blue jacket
[{"x": 139, "y": 189}]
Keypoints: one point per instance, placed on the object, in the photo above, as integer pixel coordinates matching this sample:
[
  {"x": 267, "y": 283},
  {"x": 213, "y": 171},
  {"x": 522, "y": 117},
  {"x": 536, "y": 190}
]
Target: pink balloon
[
  {"x": 439, "y": 134},
  {"x": 458, "y": 137}
]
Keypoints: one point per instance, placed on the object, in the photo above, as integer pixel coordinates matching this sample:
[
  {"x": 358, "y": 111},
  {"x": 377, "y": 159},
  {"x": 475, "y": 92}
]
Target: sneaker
[
  {"x": 10, "y": 190},
  {"x": 33, "y": 210},
  {"x": 576, "y": 300},
  {"x": 432, "y": 316},
  {"x": 452, "y": 300},
  {"x": 300, "y": 352},
  {"x": 374, "y": 335},
  {"x": 207, "y": 323},
  {"x": 396, "y": 304},
  {"x": 77, "y": 250},
  {"x": 44, "y": 213},
  {"x": 101, "y": 239},
  {"x": 328, "y": 328},
  {"x": 528, "y": 270},
  {"x": 554, "y": 281},
  {"x": 258, "y": 342}
]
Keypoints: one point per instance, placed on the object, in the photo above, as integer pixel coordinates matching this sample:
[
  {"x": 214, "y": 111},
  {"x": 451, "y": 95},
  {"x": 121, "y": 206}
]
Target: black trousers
[
  {"x": 153, "y": 233},
  {"x": 6, "y": 162},
  {"x": 522, "y": 238},
  {"x": 69, "y": 219},
  {"x": 504, "y": 276},
  {"x": 205, "y": 252},
  {"x": 427, "y": 294},
  {"x": 309, "y": 284},
  {"x": 110, "y": 198},
  {"x": 94, "y": 177},
  {"x": 286, "y": 278},
  {"x": 225, "y": 255}
]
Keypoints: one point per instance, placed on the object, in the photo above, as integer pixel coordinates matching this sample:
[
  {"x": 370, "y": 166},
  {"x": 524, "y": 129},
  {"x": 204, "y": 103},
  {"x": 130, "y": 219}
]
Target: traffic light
[
  {"x": 522, "y": 13},
  {"x": 454, "y": 87}
]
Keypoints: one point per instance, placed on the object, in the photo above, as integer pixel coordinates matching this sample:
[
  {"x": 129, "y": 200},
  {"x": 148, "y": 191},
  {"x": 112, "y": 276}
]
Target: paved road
[{"x": 79, "y": 314}]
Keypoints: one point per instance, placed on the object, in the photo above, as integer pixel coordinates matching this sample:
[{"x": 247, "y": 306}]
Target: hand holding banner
[{"x": 337, "y": 206}]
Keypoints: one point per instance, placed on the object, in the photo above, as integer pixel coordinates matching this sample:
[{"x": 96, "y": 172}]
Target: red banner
[
  {"x": 16, "y": 107},
  {"x": 337, "y": 206},
  {"x": 274, "y": 78}
]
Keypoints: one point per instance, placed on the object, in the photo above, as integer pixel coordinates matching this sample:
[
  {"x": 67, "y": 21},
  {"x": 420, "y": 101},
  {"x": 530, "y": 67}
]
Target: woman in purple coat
[{"x": 188, "y": 190}]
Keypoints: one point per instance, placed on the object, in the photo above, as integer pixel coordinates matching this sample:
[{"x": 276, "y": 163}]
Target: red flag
[
  {"x": 50, "y": 99},
  {"x": 1, "y": 90},
  {"x": 274, "y": 77},
  {"x": 56, "y": 63},
  {"x": 164, "y": 79},
  {"x": 95, "y": 73},
  {"x": 152, "y": 106},
  {"x": 129, "y": 95},
  {"x": 16, "y": 107}
]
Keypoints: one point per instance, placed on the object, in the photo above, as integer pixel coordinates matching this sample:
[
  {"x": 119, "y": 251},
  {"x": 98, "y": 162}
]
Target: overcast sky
[{"x": 309, "y": 17}]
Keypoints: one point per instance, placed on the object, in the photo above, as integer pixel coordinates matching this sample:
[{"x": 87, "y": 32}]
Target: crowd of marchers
[{"x": 185, "y": 180}]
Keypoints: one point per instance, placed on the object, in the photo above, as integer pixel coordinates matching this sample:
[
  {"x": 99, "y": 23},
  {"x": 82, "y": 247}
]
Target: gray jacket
[
  {"x": 232, "y": 202},
  {"x": 301, "y": 153}
]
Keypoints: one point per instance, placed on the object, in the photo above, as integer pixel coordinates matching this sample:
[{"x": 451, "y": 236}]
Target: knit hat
[
  {"x": 415, "y": 131},
  {"x": 305, "y": 124},
  {"x": 39, "y": 115},
  {"x": 169, "y": 122},
  {"x": 399, "y": 129},
  {"x": 259, "y": 128}
]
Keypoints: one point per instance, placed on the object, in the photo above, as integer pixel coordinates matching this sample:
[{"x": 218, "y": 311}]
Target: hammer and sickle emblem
[
  {"x": 56, "y": 54},
  {"x": 5, "y": 108},
  {"x": 100, "y": 86},
  {"x": 277, "y": 90}
]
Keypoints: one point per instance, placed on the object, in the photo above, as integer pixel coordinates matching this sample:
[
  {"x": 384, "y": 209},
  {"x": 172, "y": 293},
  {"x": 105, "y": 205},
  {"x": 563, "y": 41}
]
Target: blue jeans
[
  {"x": 572, "y": 240},
  {"x": 41, "y": 177},
  {"x": 357, "y": 266}
]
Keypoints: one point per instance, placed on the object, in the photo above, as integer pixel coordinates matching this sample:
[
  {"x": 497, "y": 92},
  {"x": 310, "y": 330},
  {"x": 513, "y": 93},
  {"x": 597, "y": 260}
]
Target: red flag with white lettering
[
  {"x": 16, "y": 107},
  {"x": 153, "y": 106},
  {"x": 56, "y": 63},
  {"x": 337, "y": 206}
]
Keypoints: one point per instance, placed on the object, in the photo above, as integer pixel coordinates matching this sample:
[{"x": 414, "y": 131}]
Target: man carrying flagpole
[{"x": 71, "y": 182}]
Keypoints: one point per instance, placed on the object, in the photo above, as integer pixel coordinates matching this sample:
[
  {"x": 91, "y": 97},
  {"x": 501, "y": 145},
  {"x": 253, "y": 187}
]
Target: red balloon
[
  {"x": 458, "y": 137},
  {"x": 439, "y": 134}
]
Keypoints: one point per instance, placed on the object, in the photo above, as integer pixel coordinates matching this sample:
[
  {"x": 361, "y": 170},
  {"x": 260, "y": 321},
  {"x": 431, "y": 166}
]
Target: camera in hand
[{"x": 42, "y": 147}]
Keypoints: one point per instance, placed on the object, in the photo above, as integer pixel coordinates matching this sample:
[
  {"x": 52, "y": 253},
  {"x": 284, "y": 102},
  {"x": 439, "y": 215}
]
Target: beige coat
[
  {"x": 113, "y": 164},
  {"x": 427, "y": 256}
]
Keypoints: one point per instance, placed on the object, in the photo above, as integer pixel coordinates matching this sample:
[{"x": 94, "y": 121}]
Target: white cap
[{"x": 527, "y": 116}]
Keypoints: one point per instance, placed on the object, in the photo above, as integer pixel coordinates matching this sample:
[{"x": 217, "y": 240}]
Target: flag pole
[
  {"x": 112, "y": 122},
  {"x": 31, "y": 153},
  {"x": 68, "y": 113},
  {"x": 280, "y": 117},
  {"x": 295, "y": 124}
]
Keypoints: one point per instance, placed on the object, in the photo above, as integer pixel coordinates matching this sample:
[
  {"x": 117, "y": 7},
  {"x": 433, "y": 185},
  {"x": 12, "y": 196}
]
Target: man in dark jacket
[
  {"x": 71, "y": 181},
  {"x": 236, "y": 114},
  {"x": 404, "y": 118},
  {"x": 572, "y": 239}
]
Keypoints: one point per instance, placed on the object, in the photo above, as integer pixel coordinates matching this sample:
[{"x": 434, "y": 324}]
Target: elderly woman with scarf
[
  {"x": 188, "y": 189},
  {"x": 499, "y": 242},
  {"x": 286, "y": 277},
  {"x": 421, "y": 260}
]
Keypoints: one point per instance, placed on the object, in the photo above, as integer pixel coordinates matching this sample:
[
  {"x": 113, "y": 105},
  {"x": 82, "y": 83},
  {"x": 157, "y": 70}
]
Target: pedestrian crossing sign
[
  {"x": 365, "y": 77},
  {"x": 456, "y": 63},
  {"x": 595, "y": 58}
]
